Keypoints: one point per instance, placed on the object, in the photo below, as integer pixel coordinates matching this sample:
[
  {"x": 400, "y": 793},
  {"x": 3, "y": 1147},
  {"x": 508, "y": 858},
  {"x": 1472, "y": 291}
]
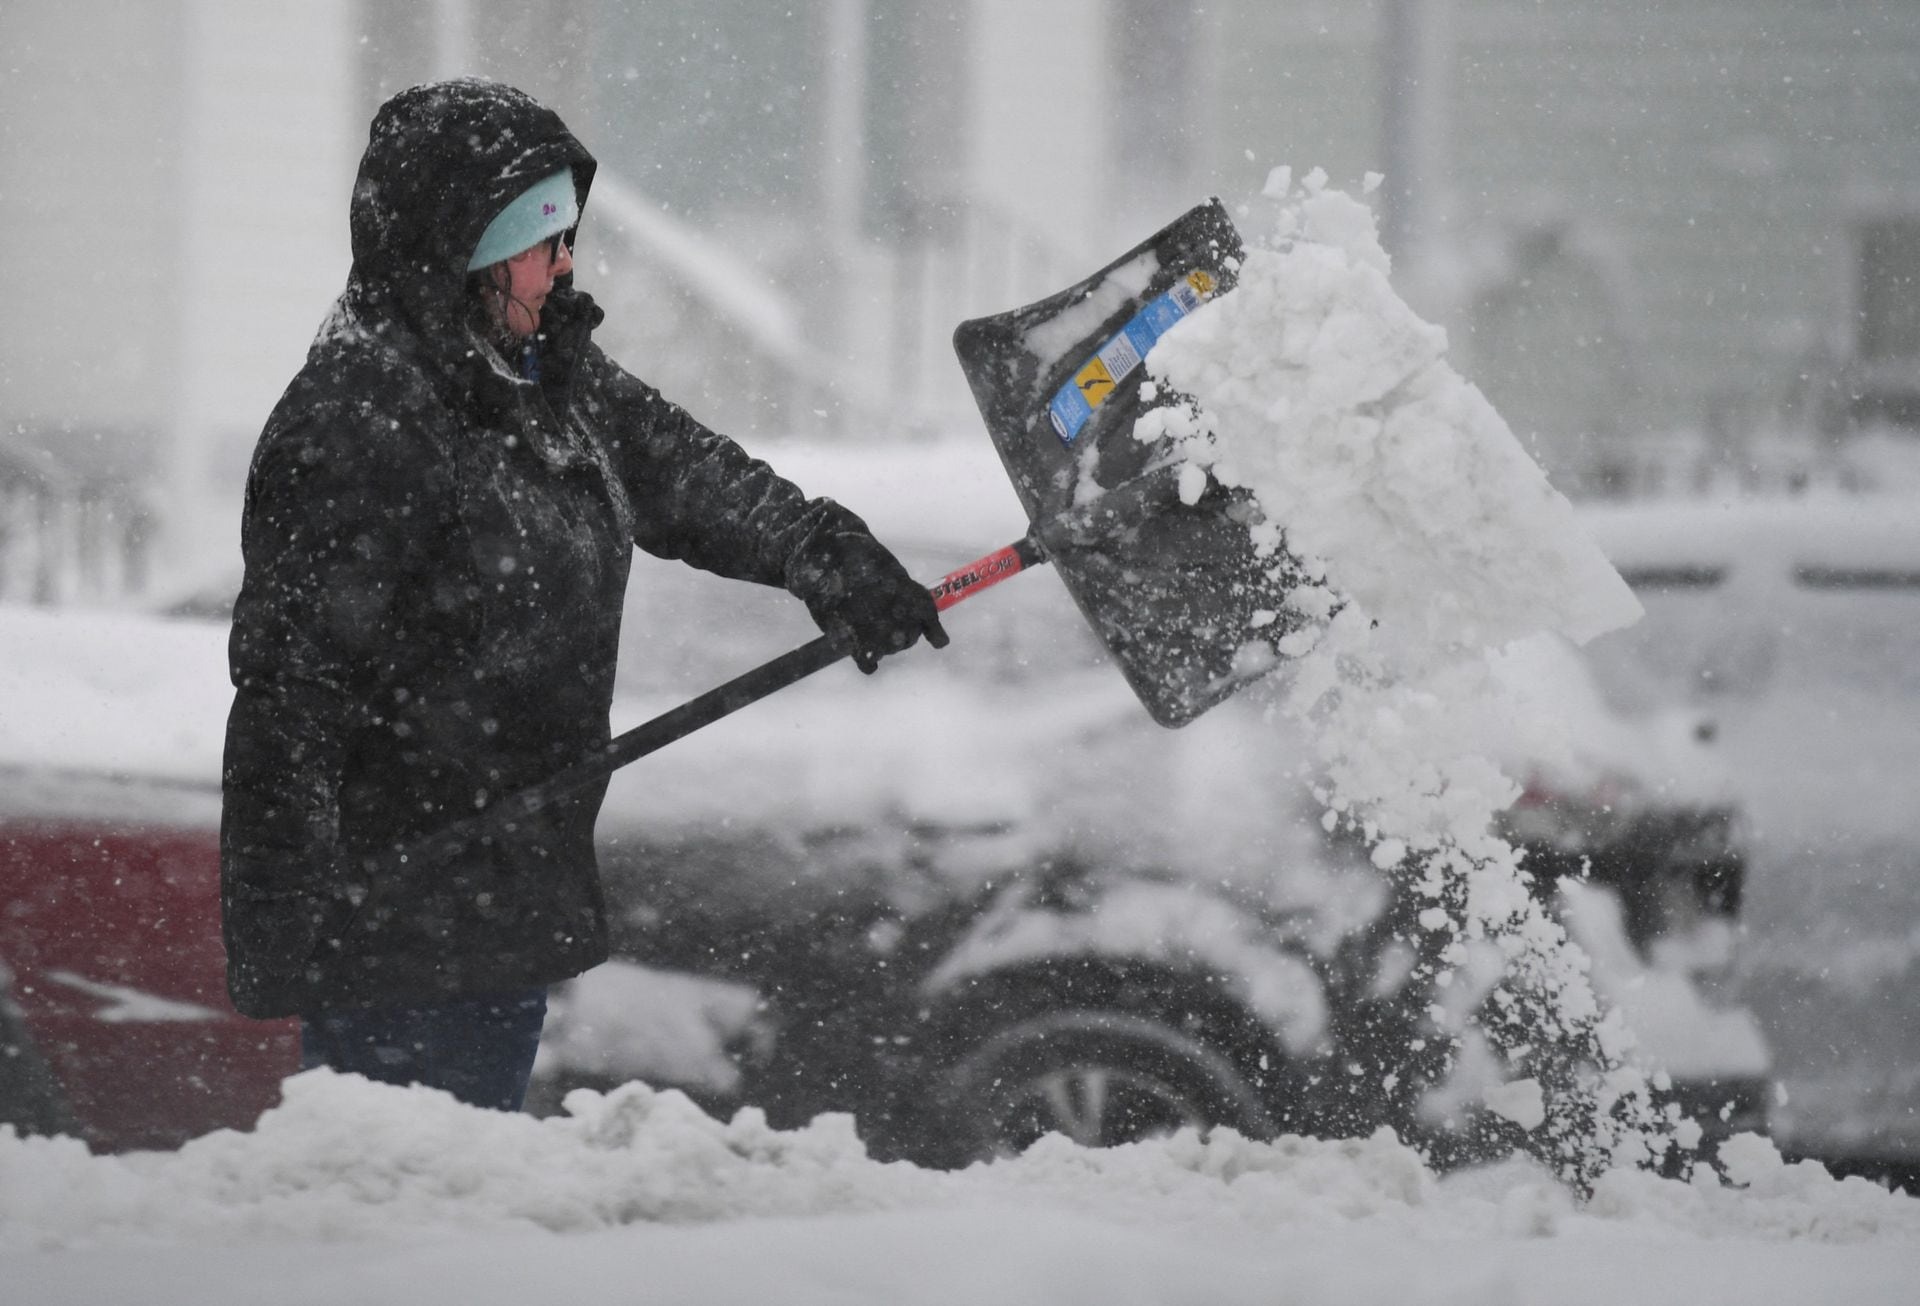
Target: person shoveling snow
[{"x": 1319, "y": 488}]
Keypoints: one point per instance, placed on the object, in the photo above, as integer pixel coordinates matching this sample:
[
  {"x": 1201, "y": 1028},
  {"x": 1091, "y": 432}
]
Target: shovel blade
[{"x": 1174, "y": 589}]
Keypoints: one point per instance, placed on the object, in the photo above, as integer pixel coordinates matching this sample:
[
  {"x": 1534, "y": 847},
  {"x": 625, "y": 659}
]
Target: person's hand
[{"x": 867, "y": 602}]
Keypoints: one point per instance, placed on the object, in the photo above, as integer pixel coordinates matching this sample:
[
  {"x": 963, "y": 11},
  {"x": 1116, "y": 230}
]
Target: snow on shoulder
[{"x": 447, "y": 1196}]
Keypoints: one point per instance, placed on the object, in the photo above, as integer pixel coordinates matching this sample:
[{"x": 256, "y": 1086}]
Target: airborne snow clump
[{"x": 1437, "y": 548}]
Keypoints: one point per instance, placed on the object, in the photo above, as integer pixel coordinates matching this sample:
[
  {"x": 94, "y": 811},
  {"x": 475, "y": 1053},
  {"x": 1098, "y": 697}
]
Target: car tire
[{"x": 1101, "y": 1078}]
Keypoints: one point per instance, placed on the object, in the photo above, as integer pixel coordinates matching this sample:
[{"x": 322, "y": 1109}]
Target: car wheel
[{"x": 1100, "y": 1078}]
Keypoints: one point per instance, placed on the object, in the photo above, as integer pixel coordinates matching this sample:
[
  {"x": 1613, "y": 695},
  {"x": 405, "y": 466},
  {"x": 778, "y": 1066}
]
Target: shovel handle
[
  {"x": 679, "y": 722},
  {"x": 796, "y": 665}
]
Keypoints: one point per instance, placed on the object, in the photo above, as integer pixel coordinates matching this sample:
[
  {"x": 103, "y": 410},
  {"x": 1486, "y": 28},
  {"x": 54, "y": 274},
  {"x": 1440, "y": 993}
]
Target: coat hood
[{"x": 442, "y": 160}]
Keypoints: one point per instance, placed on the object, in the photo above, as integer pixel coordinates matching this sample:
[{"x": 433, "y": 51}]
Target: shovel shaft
[
  {"x": 679, "y": 722},
  {"x": 787, "y": 669}
]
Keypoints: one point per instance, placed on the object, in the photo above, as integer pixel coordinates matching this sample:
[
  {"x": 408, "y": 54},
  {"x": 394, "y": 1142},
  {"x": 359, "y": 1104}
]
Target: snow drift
[{"x": 445, "y": 1202}]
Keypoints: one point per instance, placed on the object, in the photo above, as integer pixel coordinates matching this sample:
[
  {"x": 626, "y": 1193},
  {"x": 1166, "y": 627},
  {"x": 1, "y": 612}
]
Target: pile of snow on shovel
[{"x": 1437, "y": 545}]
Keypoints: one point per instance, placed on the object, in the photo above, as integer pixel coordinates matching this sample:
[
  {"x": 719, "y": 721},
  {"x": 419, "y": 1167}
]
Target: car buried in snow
[
  {"x": 1791, "y": 622},
  {"x": 981, "y": 897},
  {"x": 972, "y": 900}
]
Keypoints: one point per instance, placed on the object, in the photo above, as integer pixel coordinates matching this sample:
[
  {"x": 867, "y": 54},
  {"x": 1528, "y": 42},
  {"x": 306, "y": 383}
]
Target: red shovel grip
[{"x": 1001, "y": 564}]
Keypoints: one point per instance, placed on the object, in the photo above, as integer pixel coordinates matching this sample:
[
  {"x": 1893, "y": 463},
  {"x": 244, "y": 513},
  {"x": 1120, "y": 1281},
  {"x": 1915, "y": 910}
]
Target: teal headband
[{"x": 546, "y": 208}]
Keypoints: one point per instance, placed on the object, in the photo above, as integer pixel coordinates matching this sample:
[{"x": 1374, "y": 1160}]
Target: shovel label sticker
[
  {"x": 1095, "y": 382},
  {"x": 1072, "y": 408}
]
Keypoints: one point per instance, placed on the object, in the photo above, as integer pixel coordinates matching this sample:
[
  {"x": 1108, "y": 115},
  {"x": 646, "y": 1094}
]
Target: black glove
[{"x": 863, "y": 599}]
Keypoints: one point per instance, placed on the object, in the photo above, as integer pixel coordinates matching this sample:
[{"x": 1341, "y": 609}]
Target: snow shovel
[{"x": 1173, "y": 588}]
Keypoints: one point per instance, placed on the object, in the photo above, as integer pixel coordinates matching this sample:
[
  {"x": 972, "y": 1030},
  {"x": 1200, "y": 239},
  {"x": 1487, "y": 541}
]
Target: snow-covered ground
[{"x": 354, "y": 1192}]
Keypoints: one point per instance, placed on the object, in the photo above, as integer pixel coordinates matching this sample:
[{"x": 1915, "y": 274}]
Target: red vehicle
[{"x": 114, "y": 1020}]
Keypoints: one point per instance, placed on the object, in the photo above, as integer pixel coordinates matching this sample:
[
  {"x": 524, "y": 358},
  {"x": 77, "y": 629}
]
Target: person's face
[{"x": 523, "y": 282}]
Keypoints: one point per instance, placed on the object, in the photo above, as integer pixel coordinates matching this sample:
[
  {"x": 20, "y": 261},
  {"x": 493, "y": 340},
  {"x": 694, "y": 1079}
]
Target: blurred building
[
  {"x": 172, "y": 176},
  {"x": 1656, "y": 233}
]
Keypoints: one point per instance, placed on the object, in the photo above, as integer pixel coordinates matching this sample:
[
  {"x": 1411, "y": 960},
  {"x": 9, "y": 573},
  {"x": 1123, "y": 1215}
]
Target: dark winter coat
[{"x": 436, "y": 553}]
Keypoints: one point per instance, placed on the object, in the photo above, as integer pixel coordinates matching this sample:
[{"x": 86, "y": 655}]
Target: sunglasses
[{"x": 555, "y": 241}]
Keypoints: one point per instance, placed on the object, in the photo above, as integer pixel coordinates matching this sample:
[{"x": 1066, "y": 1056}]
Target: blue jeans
[{"x": 480, "y": 1049}]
